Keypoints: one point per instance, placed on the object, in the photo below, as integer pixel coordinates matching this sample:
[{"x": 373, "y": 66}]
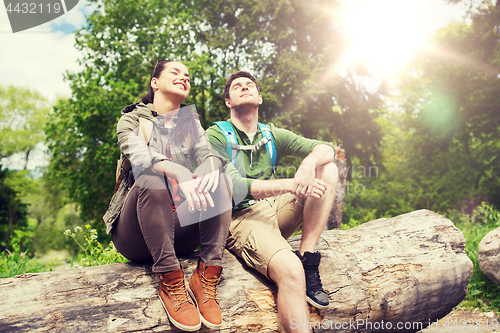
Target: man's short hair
[{"x": 236, "y": 75}]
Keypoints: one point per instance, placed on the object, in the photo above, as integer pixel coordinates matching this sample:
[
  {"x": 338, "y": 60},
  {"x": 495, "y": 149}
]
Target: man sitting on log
[{"x": 273, "y": 209}]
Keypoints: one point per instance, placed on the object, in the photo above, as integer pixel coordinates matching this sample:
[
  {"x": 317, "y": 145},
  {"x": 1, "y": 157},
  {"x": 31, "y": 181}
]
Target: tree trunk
[
  {"x": 335, "y": 218},
  {"x": 404, "y": 272},
  {"x": 26, "y": 159},
  {"x": 39, "y": 220},
  {"x": 12, "y": 216}
]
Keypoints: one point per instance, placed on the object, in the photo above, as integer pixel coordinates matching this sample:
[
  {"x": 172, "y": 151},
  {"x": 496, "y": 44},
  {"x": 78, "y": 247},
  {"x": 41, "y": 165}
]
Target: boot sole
[
  {"x": 316, "y": 305},
  {"x": 203, "y": 320},
  {"x": 179, "y": 325}
]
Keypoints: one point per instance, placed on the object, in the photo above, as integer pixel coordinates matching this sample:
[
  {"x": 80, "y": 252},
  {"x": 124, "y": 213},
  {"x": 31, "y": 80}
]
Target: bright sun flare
[{"x": 384, "y": 34}]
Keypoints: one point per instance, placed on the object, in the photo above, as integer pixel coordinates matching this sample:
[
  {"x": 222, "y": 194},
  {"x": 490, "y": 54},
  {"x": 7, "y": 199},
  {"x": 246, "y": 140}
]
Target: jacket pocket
[{"x": 116, "y": 206}]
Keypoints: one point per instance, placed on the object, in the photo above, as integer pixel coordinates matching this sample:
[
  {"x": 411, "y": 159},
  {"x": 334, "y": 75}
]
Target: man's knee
[
  {"x": 287, "y": 271},
  {"x": 329, "y": 173},
  {"x": 293, "y": 275}
]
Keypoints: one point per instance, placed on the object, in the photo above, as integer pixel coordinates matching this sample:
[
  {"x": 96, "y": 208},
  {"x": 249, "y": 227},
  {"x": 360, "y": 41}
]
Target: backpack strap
[
  {"x": 232, "y": 147},
  {"x": 231, "y": 139},
  {"x": 271, "y": 148}
]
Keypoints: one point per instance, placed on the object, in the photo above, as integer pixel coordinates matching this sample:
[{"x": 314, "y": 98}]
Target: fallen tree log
[{"x": 409, "y": 269}]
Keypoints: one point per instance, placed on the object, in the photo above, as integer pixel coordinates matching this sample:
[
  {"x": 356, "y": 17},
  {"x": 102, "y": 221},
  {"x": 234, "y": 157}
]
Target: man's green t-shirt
[{"x": 251, "y": 165}]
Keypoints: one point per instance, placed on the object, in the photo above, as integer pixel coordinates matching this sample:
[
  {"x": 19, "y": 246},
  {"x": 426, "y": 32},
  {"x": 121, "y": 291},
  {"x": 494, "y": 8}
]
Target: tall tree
[
  {"x": 294, "y": 48},
  {"x": 121, "y": 44},
  {"x": 451, "y": 103},
  {"x": 440, "y": 148},
  {"x": 291, "y": 46},
  {"x": 13, "y": 212},
  {"x": 22, "y": 119}
]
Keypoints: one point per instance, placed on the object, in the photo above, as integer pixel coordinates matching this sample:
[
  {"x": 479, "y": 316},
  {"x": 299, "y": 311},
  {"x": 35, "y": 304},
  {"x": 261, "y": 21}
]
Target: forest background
[{"x": 427, "y": 139}]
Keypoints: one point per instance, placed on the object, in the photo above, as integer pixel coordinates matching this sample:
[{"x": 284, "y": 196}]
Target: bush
[
  {"x": 92, "y": 253},
  {"x": 17, "y": 262},
  {"x": 50, "y": 233}
]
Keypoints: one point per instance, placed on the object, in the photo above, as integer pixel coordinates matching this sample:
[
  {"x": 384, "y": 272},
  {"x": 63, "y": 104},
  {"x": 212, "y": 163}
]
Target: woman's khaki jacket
[{"x": 142, "y": 124}]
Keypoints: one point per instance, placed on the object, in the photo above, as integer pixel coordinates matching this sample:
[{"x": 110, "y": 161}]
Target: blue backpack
[{"x": 233, "y": 148}]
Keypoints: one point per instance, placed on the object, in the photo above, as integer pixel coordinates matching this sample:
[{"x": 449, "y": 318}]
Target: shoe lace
[
  {"x": 210, "y": 287},
  {"x": 313, "y": 280},
  {"x": 178, "y": 293}
]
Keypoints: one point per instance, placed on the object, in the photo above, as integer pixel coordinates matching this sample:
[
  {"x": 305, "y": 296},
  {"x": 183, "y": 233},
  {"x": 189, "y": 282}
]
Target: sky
[
  {"x": 38, "y": 59},
  {"x": 384, "y": 34}
]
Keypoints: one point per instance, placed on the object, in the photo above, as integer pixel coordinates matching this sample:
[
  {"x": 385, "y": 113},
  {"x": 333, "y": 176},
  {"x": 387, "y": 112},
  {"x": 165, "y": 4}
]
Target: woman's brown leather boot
[
  {"x": 176, "y": 301},
  {"x": 203, "y": 289}
]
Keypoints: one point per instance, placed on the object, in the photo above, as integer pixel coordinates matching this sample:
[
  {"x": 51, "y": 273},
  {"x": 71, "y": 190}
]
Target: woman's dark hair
[
  {"x": 160, "y": 66},
  {"x": 186, "y": 126}
]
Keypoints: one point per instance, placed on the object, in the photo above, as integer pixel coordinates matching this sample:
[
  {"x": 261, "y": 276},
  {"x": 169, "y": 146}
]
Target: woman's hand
[
  {"x": 194, "y": 198},
  {"x": 189, "y": 188},
  {"x": 195, "y": 186},
  {"x": 207, "y": 176}
]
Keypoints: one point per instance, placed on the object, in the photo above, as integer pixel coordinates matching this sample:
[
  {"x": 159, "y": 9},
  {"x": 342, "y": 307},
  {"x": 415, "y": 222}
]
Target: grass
[
  {"x": 17, "y": 262},
  {"x": 482, "y": 293},
  {"x": 92, "y": 253}
]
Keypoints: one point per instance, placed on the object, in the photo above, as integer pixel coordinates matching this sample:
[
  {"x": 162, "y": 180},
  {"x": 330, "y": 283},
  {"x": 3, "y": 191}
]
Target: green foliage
[
  {"x": 15, "y": 262},
  {"x": 393, "y": 186},
  {"x": 49, "y": 235},
  {"x": 291, "y": 46},
  {"x": 440, "y": 149},
  {"x": 22, "y": 118},
  {"x": 23, "y": 237},
  {"x": 351, "y": 224},
  {"x": 450, "y": 100},
  {"x": 18, "y": 261},
  {"x": 42, "y": 215},
  {"x": 93, "y": 253},
  {"x": 482, "y": 292},
  {"x": 13, "y": 212},
  {"x": 46, "y": 207}
]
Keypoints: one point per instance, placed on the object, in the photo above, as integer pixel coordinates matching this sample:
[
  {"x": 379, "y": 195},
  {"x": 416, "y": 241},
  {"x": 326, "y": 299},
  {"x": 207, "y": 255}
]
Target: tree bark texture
[
  {"x": 408, "y": 269},
  {"x": 335, "y": 218}
]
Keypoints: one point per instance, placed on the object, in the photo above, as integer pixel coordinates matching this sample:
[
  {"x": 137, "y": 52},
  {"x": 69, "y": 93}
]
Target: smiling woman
[
  {"x": 383, "y": 35},
  {"x": 170, "y": 199}
]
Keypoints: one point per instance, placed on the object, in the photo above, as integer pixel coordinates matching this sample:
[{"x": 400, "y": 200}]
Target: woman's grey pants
[{"x": 149, "y": 230}]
